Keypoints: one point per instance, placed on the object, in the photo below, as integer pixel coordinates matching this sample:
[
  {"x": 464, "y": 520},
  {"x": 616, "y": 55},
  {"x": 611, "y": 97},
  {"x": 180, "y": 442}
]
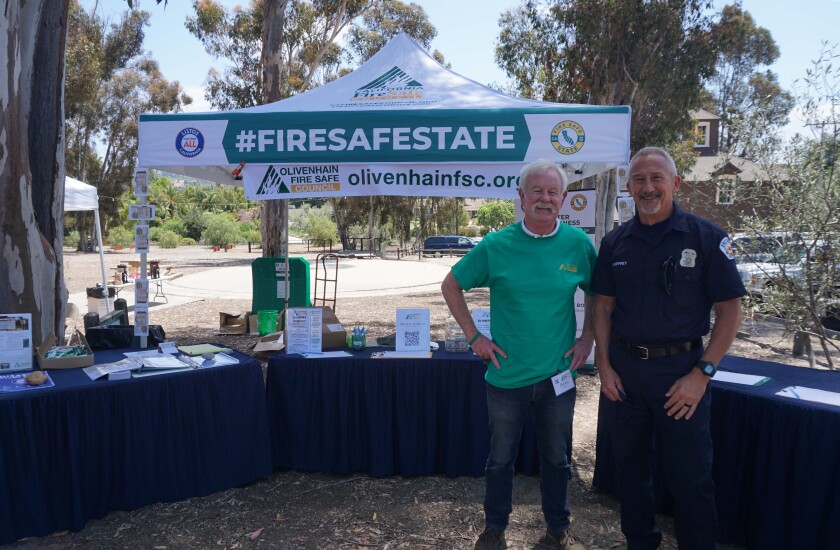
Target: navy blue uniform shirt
[{"x": 666, "y": 277}]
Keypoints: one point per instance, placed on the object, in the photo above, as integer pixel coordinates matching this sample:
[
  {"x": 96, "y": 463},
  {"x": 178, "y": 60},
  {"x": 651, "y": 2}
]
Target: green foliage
[
  {"x": 109, "y": 82},
  {"x": 321, "y": 228},
  {"x": 744, "y": 96},
  {"x": 653, "y": 56},
  {"x": 186, "y": 241},
  {"x": 383, "y": 21},
  {"x": 195, "y": 223},
  {"x": 120, "y": 236},
  {"x": 496, "y": 214},
  {"x": 168, "y": 239},
  {"x": 176, "y": 225},
  {"x": 254, "y": 236},
  {"x": 154, "y": 233},
  {"x": 221, "y": 230},
  {"x": 72, "y": 239},
  {"x": 471, "y": 231},
  {"x": 800, "y": 196}
]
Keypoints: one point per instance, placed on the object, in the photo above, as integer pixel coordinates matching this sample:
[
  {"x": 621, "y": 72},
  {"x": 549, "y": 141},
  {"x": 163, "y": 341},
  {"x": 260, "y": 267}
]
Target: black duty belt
[{"x": 656, "y": 352}]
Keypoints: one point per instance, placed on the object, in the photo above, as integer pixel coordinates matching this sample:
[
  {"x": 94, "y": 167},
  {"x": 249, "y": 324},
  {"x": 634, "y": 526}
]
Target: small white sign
[
  {"x": 141, "y": 238},
  {"x": 141, "y": 212},
  {"x": 15, "y": 342},
  {"x": 303, "y": 330},
  {"x": 141, "y": 291},
  {"x": 563, "y": 382},
  {"x": 413, "y": 329},
  {"x": 141, "y": 319},
  {"x": 141, "y": 184},
  {"x": 481, "y": 318}
]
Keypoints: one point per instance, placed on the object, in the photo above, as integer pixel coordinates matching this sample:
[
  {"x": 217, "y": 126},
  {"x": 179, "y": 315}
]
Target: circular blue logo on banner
[{"x": 189, "y": 142}]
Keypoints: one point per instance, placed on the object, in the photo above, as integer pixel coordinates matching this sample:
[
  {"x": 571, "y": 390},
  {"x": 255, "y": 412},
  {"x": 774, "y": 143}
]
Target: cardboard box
[
  {"x": 63, "y": 362},
  {"x": 333, "y": 333},
  {"x": 233, "y": 323},
  {"x": 253, "y": 325},
  {"x": 269, "y": 344}
]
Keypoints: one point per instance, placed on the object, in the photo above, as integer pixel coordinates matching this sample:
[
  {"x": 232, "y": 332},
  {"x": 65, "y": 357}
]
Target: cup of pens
[{"x": 358, "y": 338}]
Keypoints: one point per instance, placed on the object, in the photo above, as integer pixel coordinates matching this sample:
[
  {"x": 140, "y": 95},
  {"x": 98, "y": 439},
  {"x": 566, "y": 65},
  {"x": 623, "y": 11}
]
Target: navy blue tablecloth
[
  {"x": 76, "y": 451},
  {"x": 776, "y": 459},
  {"x": 383, "y": 416}
]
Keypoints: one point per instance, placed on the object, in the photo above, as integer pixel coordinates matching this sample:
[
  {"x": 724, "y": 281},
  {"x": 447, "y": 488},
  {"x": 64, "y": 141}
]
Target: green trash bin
[{"x": 268, "y": 279}]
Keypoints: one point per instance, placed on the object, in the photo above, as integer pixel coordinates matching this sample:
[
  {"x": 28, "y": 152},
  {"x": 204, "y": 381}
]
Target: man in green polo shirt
[{"x": 532, "y": 269}]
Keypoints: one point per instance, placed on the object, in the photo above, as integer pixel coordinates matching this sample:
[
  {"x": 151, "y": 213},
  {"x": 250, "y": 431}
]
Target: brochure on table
[
  {"x": 303, "y": 330},
  {"x": 15, "y": 342},
  {"x": 17, "y": 382},
  {"x": 481, "y": 318},
  {"x": 413, "y": 329}
]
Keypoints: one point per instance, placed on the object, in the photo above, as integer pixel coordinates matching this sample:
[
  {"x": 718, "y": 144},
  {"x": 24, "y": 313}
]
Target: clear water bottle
[{"x": 455, "y": 340}]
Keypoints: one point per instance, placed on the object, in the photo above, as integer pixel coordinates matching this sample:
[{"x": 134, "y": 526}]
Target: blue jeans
[{"x": 507, "y": 409}]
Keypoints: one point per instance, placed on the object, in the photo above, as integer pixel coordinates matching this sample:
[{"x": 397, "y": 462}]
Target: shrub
[
  {"x": 254, "y": 236},
  {"x": 154, "y": 233},
  {"x": 471, "y": 231},
  {"x": 221, "y": 230},
  {"x": 120, "y": 236},
  {"x": 186, "y": 241},
  {"x": 72, "y": 239},
  {"x": 168, "y": 239},
  {"x": 176, "y": 225}
]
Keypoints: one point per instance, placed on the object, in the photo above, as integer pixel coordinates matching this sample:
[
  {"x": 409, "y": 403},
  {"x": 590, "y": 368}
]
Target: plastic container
[
  {"x": 267, "y": 321},
  {"x": 455, "y": 340}
]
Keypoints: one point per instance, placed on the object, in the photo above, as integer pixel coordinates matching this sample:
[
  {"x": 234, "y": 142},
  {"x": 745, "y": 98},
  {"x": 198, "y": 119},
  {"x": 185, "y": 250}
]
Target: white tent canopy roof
[
  {"x": 399, "y": 114},
  {"x": 79, "y": 197}
]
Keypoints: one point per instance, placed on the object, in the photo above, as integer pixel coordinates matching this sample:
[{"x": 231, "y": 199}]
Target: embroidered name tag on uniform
[
  {"x": 688, "y": 258},
  {"x": 563, "y": 382}
]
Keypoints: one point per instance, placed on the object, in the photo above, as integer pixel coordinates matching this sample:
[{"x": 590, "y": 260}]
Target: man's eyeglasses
[{"x": 666, "y": 277}]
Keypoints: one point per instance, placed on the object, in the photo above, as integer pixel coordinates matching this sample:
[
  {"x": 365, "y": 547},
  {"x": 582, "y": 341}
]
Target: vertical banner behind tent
[{"x": 579, "y": 211}]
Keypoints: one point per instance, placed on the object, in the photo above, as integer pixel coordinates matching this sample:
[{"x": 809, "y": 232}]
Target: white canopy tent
[
  {"x": 401, "y": 124},
  {"x": 81, "y": 197}
]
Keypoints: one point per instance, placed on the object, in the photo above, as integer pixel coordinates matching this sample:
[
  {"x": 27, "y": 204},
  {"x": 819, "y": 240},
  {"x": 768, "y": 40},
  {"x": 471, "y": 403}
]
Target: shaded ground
[{"x": 298, "y": 510}]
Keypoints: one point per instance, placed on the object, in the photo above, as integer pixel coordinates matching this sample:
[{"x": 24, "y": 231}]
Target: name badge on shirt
[{"x": 563, "y": 382}]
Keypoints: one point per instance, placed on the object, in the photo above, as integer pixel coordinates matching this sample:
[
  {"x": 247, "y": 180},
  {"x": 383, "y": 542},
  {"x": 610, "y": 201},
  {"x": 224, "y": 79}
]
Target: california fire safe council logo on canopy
[{"x": 567, "y": 137}]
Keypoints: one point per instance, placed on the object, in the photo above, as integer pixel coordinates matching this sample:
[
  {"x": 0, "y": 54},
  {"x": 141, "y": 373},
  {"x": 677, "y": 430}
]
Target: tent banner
[
  {"x": 284, "y": 181},
  {"x": 430, "y": 136}
]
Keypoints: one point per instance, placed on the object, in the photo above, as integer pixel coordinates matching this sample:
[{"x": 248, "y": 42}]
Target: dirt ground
[{"x": 297, "y": 510}]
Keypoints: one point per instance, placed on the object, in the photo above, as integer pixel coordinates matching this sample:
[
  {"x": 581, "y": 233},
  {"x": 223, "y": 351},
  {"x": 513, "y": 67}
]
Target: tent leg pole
[{"x": 102, "y": 260}]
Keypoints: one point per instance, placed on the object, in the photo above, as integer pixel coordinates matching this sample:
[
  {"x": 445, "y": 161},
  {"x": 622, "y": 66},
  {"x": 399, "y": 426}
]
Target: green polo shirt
[{"x": 532, "y": 284}]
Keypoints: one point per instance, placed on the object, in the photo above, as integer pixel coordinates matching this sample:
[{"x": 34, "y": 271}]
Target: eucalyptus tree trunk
[
  {"x": 32, "y": 39},
  {"x": 273, "y": 212}
]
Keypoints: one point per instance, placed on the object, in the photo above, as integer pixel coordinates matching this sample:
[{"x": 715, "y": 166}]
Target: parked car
[{"x": 447, "y": 244}]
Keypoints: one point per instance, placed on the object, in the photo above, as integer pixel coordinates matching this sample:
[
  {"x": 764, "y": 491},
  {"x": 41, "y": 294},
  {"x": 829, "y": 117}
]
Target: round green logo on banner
[{"x": 567, "y": 137}]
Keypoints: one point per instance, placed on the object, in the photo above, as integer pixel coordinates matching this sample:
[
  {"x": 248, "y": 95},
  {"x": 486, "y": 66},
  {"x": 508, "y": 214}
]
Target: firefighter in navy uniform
[{"x": 656, "y": 281}]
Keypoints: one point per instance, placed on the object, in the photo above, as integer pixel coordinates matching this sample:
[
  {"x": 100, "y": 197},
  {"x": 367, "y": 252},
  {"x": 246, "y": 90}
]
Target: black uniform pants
[{"x": 642, "y": 427}]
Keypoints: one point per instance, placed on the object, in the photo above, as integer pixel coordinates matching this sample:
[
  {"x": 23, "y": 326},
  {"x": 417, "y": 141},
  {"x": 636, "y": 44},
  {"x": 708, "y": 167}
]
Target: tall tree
[
  {"x": 32, "y": 161},
  {"x": 744, "y": 96},
  {"x": 653, "y": 56}
]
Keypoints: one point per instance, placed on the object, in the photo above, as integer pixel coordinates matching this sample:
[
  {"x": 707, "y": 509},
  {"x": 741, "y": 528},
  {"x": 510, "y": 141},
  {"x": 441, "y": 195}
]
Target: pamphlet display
[
  {"x": 15, "y": 342},
  {"x": 303, "y": 330},
  {"x": 141, "y": 212},
  {"x": 141, "y": 291},
  {"x": 141, "y": 238},
  {"x": 141, "y": 319},
  {"x": 413, "y": 329}
]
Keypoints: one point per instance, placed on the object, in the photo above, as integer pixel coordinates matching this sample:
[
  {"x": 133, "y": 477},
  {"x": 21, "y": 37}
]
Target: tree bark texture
[
  {"x": 32, "y": 40},
  {"x": 273, "y": 212}
]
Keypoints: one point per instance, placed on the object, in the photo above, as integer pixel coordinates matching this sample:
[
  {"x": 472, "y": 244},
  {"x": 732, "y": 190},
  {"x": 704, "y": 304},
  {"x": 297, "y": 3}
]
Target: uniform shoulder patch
[{"x": 726, "y": 248}]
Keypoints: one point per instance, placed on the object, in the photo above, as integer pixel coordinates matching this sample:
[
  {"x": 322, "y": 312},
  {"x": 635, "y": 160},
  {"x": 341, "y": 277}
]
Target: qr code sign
[{"x": 412, "y": 338}]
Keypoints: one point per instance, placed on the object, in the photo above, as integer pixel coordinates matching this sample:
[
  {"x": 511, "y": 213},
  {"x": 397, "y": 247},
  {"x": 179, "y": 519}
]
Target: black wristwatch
[{"x": 707, "y": 368}]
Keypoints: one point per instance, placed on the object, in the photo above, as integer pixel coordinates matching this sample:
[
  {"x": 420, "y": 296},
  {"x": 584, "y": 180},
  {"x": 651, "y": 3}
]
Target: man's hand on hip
[{"x": 487, "y": 350}]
